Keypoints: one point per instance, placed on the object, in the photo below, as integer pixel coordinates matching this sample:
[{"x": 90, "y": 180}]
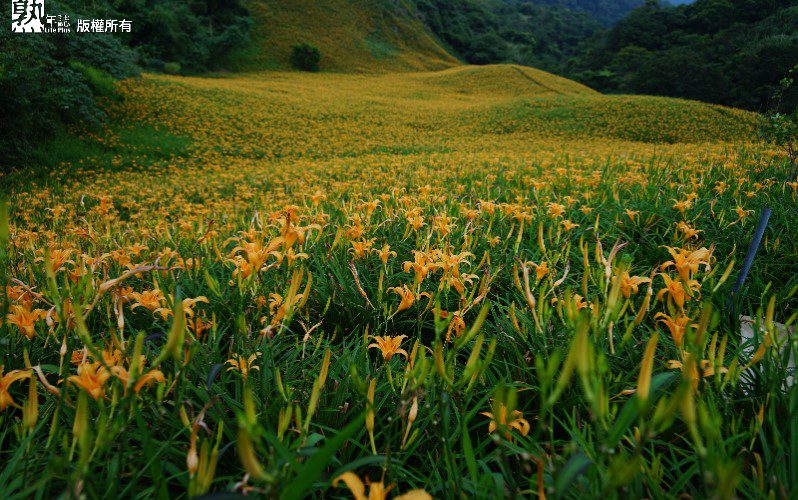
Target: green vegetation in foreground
[{"x": 214, "y": 300}]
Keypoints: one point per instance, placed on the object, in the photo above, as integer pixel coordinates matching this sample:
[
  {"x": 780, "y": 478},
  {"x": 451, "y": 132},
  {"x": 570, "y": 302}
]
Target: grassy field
[{"x": 476, "y": 282}]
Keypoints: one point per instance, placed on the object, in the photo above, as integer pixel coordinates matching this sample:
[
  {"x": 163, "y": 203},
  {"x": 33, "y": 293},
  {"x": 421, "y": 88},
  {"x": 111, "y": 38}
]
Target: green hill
[{"x": 352, "y": 35}]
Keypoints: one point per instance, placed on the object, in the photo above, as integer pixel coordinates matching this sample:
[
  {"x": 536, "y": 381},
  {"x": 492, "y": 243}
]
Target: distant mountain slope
[{"x": 352, "y": 35}]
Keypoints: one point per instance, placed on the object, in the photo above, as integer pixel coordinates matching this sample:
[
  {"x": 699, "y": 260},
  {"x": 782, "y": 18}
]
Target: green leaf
[
  {"x": 468, "y": 452},
  {"x": 313, "y": 468},
  {"x": 5, "y": 225},
  {"x": 574, "y": 468},
  {"x": 629, "y": 412}
]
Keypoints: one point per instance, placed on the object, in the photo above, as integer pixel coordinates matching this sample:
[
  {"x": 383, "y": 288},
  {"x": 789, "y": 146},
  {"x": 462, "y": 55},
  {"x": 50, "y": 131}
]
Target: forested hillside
[
  {"x": 732, "y": 53},
  {"x": 521, "y": 32}
]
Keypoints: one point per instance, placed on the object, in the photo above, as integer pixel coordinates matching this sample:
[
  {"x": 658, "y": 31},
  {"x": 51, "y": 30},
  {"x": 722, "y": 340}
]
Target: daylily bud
[
  {"x": 192, "y": 459},
  {"x": 174, "y": 342},
  {"x": 284, "y": 420},
  {"x": 411, "y": 416},
  {"x": 184, "y": 417},
  {"x": 80, "y": 425},
  {"x": 646, "y": 367},
  {"x": 246, "y": 453},
  {"x": 370, "y": 414},
  {"x": 317, "y": 387},
  {"x": 30, "y": 410}
]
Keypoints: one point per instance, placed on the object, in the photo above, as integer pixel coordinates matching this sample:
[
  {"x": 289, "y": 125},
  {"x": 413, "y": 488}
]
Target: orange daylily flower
[
  {"x": 502, "y": 421},
  {"x": 421, "y": 265},
  {"x": 58, "y": 258},
  {"x": 25, "y": 319},
  {"x": 687, "y": 262},
  {"x": 377, "y": 490},
  {"x": 682, "y": 205},
  {"x": 456, "y": 327},
  {"x": 146, "y": 379},
  {"x": 677, "y": 325},
  {"x": 541, "y": 270},
  {"x": 555, "y": 209},
  {"x": 707, "y": 370},
  {"x": 91, "y": 378},
  {"x": 361, "y": 248},
  {"x": 677, "y": 291},
  {"x": 407, "y": 297},
  {"x": 632, "y": 214},
  {"x": 630, "y": 284},
  {"x": 243, "y": 365},
  {"x": 385, "y": 254},
  {"x": 5, "y": 383},
  {"x": 148, "y": 299},
  {"x": 580, "y": 303},
  {"x": 688, "y": 231},
  {"x": 388, "y": 346}
]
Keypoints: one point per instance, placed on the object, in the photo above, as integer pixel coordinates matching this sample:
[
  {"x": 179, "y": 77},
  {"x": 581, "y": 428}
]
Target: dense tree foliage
[
  {"x": 733, "y": 53},
  {"x": 517, "y": 31},
  {"x": 51, "y": 80},
  {"x": 197, "y": 34}
]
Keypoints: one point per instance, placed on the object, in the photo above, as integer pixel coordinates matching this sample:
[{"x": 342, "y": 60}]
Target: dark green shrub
[
  {"x": 305, "y": 57},
  {"x": 171, "y": 68},
  {"x": 98, "y": 50},
  {"x": 40, "y": 94}
]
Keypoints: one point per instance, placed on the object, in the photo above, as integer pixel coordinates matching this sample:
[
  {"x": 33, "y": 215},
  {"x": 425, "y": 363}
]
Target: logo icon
[{"x": 27, "y": 16}]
